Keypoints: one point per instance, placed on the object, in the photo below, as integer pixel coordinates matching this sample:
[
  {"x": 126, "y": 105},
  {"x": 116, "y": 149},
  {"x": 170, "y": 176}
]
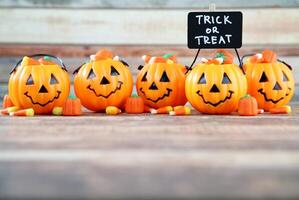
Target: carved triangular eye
[
  {"x": 164, "y": 77},
  {"x": 144, "y": 77},
  {"x": 53, "y": 80},
  {"x": 202, "y": 79},
  {"x": 263, "y": 77},
  {"x": 284, "y": 77},
  {"x": 114, "y": 72},
  {"x": 30, "y": 80},
  {"x": 91, "y": 74},
  {"x": 225, "y": 79}
]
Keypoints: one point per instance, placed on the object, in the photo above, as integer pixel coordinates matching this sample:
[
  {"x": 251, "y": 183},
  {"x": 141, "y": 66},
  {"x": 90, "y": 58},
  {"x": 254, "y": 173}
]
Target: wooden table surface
[
  {"x": 154, "y": 157},
  {"x": 150, "y": 157}
]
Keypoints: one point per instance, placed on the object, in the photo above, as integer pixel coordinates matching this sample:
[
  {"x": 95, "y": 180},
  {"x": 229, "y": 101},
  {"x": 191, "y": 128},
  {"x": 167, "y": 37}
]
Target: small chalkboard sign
[{"x": 209, "y": 30}]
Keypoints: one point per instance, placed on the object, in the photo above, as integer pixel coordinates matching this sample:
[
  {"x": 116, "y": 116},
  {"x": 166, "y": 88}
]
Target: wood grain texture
[
  {"x": 134, "y": 26},
  {"x": 160, "y": 4},
  {"x": 9, "y": 50},
  {"x": 7, "y": 63},
  {"x": 150, "y": 157}
]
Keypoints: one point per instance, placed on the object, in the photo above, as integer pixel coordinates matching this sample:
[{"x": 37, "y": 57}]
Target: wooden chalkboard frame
[
  {"x": 237, "y": 42},
  {"x": 214, "y": 30}
]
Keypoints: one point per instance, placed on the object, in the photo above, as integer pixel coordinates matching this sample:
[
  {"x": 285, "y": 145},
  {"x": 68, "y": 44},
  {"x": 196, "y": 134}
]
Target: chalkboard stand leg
[
  {"x": 190, "y": 68},
  {"x": 241, "y": 64}
]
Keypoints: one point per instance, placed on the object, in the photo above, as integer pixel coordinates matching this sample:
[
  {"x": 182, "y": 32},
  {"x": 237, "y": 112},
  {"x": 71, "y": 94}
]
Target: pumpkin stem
[
  {"x": 72, "y": 95},
  {"x": 135, "y": 95},
  {"x": 247, "y": 96}
]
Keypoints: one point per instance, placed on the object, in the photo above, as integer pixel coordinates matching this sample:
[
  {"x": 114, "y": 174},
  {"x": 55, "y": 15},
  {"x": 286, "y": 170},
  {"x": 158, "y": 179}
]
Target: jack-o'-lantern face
[
  {"x": 103, "y": 83},
  {"x": 272, "y": 84},
  {"x": 215, "y": 89},
  {"x": 39, "y": 86},
  {"x": 161, "y": 84}
]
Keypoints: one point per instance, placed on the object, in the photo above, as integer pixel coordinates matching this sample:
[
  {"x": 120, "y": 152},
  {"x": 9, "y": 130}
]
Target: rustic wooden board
[
  {"x": 153, "y": 26},
  {"x": 150, "y": 157},
  {"x": 161, "y": 4},
  {"x": 7, "y": 63},
  {"x": 9, "y": 50}
]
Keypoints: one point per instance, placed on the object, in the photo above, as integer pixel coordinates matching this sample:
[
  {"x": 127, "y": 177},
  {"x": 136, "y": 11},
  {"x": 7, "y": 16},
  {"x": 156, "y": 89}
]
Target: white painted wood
[
  {"x": 116, "y": 26},
  {"x": 148, "y": 3}
]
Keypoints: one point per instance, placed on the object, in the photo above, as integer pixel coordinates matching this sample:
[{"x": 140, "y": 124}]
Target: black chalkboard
[{"x": 209, "y": 30}]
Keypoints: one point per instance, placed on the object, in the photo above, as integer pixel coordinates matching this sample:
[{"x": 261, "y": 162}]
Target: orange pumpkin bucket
[
  {"x": 103, "y": 81},
  {"x": 39, "y": 84},
  {"x": 216, "y": 85},
  {"x": 161, "y": 82},
  {"x": 269, "y": 80}
]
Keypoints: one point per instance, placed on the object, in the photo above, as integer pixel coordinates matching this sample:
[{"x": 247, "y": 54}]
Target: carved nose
[
  {"x": 153, "y": 86},
  {"x": 214, "y": 89},
  {"x": 277, "y": 86},
  {"x": 104, "y": 81},
  {"x": 43, "y": 89}
]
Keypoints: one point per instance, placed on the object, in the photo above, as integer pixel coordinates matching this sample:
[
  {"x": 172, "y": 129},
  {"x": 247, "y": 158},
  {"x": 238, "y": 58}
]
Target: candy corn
[
  {"x": 46, "y": 60},
  {"x": 146, "y": 58},
  {"x": 57, "y": 111},
  {"x": 103, "y": 54},
  {"x": 182, "y": 111},
  {"x": 177, "y": 107},
  {"x": 281, "y": 110},
  {"x": 8, "y": 110},
  {"x": 29, "y": 61},
  {"x": 25, "y": 112},
  {"x": 163, "y": 110},
  {"x": 147, "y": 109},
  {"x": 112, "y": 110}
]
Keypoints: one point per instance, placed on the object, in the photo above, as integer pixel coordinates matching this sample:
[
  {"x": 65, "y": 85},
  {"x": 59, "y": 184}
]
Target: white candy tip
[
  {"x": 144, "y": 57},
  {"x": 153, "y": 111},
  {"x": 11, "y": 114},
  {"x": 152, "y": 60},
  {"x": 116, "y": 58},
  {"x": 259, "y": 55},
  {"x": 92, "y": 57},
  {"x": 204, "y": 60},
  {"x": 220, "y": 60},
  {"x": 172, "y": 113}
]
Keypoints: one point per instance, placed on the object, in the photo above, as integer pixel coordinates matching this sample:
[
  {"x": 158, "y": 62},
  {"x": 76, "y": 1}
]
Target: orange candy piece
[
  {"x": 281, "y": 110},
  {"x": 103, "y": 54},
  {"x": 182, "y": 111},
  {"x": 159, "y": 60},
  {"x": 163, "y": 110},
  {"x": 29, "y": 61},
  {"x": 45, "y": 62},
  {"x": 7, "y": 102},
  {"x": 269, "y": 56},
  {"x": 213, "y": 61},
  {"x": 228, "y": 58}
]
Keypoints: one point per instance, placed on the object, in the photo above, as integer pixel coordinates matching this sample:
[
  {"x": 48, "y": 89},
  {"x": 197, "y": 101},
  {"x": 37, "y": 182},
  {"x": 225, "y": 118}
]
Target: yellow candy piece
[{"x": 112, "y": 110}]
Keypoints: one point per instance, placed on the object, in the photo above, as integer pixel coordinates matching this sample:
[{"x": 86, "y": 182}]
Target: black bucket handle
[{"x": 41, "y": 55}]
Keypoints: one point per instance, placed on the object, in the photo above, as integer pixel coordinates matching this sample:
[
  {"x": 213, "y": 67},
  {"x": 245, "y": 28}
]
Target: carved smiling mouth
[
  {"x": 120, "y": 83},
  {"x": 42, "y": 104},
  {"x": 219, "y": 102},
  {"x": 158, "y": 99},
  {"x": 272, "y": 100}
]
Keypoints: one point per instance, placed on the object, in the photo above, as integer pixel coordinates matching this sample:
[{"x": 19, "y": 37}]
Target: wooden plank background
[
  {"x": 134, "y": 26},
  {"x": 149, "y": 4}
]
